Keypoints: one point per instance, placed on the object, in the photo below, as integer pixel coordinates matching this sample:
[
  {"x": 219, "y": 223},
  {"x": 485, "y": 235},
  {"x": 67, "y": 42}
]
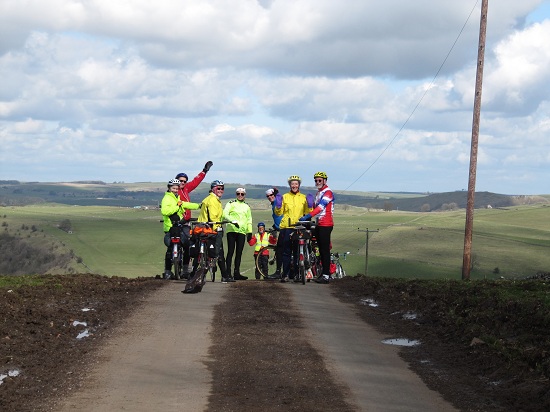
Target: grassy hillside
[
  {"x": 511, "y": 242},
  {"x": 149, "y": 194}
]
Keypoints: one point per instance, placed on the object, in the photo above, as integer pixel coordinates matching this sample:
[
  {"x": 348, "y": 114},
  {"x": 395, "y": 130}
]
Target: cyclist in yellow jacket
[
  {"x": 291, "y": 206},
  {"x": 172, "y": 209},
  {"x": 212, "y": 211}
]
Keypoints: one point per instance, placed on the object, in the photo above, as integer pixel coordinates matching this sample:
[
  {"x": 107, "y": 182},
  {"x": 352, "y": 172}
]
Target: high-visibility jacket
[
  {"x": 239, "y": 211},
  {"x": 260, "y": 240},
  {"x": 169, "y": 207}
]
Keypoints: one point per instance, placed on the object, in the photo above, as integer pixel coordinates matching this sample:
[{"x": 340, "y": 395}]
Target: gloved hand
[
  {"x": 275, "y": 191},
  {"x": 248, "y": 237},
  {"x": 310, "y": 200},
  {"x": 179, "y": 202},
  {"x": 305, "y": 217},
  {"x": 207, "y": 166},
  {"x": 278, "y": 200}
]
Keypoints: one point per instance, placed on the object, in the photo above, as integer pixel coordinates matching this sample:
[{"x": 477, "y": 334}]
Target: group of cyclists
[{"x": 288, "y": 209}]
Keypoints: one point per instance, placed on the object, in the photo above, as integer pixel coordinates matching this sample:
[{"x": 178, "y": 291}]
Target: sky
[{"x": 379, "y": 95}]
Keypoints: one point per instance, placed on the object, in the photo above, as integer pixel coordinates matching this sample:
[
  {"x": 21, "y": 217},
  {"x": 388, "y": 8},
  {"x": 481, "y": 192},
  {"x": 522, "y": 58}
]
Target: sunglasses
[
  {"x": 240, "y": 194},
  {"x": 318, "y": 180},
  {"x": 183, "y": 181},
  {"x": 268, "y": 196},
  {"x": 219, "y": 188}
]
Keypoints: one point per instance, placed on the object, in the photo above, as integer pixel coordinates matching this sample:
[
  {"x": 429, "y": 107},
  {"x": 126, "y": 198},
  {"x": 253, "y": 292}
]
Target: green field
[{"x": 513, "y": 242}]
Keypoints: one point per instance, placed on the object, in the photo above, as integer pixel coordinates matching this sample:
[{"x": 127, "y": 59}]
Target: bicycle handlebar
[
  {"x": 305, "y": 224},
  {"x": 233, "y": 222},
  {"x": 191, "y": 219}
]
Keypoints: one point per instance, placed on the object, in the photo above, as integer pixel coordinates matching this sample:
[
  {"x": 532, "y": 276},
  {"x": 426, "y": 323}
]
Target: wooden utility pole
[
  {"x": 367, "y": 250},
  {"x": 467, "y": 256}
]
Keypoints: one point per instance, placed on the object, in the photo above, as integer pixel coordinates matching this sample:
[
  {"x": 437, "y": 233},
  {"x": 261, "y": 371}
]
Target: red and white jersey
[{"x": 324, "y": 207}]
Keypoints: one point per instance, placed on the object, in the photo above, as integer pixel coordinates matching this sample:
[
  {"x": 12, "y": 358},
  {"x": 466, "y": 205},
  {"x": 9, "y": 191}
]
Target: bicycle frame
[
  {"x": 177, "y": 256},
  {"x": 303, "y": 234},
  {"x": 177, "y": 249}
]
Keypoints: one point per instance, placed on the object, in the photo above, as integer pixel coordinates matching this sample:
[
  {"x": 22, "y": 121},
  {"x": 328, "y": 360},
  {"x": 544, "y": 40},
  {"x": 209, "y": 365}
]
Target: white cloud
[{"x": 272, "y": 88}]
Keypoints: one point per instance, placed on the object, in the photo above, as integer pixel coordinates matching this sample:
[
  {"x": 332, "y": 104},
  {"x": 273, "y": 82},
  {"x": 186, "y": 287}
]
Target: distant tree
[
  {"x": 449, "y": 206},
  {"x": 388, "y": 207},
  {"x": 425, "y": 207},
  {"x": 66, "y": 225}
]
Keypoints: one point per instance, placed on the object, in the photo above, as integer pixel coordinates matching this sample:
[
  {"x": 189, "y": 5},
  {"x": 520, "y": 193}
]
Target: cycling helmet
[
  {"x": 294, "y": 177},
  {"x": 261, "y": 224},
  {"x": 216, "y": 183},
  {"x": 320, "y": 174},
  {"x": 174, "y": 182},
  {"x": 181, "y": 175}
]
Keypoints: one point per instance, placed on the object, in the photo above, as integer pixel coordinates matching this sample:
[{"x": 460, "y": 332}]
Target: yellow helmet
[
  {"x": 320, "y": 174},
  {"x": 294, "y": 177}
]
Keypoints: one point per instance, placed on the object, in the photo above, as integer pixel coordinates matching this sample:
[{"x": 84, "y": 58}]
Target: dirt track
[{"x": 162, "y": 358}]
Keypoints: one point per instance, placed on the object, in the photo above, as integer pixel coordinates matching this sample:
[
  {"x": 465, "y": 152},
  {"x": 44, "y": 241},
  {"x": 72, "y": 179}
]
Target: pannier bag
[
  {"x": 203, "y": 229},
  {"x": 194, "y": 248},
  {"x": 211, "y": 245}
]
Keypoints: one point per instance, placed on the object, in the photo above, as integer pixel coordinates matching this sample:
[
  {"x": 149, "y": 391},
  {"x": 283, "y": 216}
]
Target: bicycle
[
  {"x": 339, "y": 271},
  {"x": 306, "y": 259},
  {"x": 204, "y": 253},
  {"x": 315, "y": 258},
  {"x": 177, "y": 247}
]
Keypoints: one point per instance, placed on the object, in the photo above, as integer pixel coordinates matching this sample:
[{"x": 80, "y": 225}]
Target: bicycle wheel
[
  {"x": 340, "y": 272},
  {"x": 177, "y": 256},
  {"x": 302, "y": 265},
  {"x": 201, "y": 274},
  {"x": 196, "y": 282},
  {"x": 301, "y": 274},
  {"x": 272, "y": 259},
  {"x": 212, "y": 268}
]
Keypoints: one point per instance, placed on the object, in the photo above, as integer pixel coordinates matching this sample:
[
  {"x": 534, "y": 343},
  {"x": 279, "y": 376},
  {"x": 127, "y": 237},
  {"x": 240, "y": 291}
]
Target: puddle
[
  {"x": 76, "y": 323},
  {"x": 84, "y": 334},
  {"x": 409, "y": 316},
  {"x": 86, "y": 310},
  {"x": 401, "y": 342},
  {"x": 13, "y": 373},
  {"x": 369, "y": 301}
]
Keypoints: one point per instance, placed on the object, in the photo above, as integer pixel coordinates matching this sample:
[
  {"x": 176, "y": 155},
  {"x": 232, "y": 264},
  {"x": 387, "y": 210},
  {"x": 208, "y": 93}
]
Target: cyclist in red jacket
[
  {"x": 323, "y": 209},
  {"x": 185, "y": 188}
]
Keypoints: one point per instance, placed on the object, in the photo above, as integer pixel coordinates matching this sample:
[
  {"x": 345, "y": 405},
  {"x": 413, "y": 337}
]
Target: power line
[{"x": 420, "y": 101}]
